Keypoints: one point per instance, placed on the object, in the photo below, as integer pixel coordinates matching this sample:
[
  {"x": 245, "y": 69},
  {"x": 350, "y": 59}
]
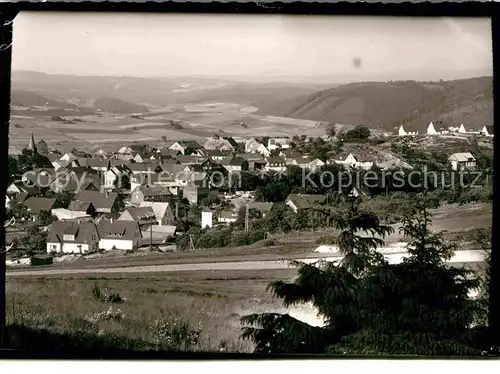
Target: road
[{"x": 460, "y": 257}]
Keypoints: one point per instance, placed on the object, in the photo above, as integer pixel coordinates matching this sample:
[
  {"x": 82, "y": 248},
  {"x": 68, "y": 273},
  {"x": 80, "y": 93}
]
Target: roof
[
  {"x": 228, "y": 214},
  {"x": 159, "y": 209},
  {"x": 462, "y": 157},
  {"x": 82, "y": 229},
  {"x": 38, "y": 204},
  {"x": 217, "y": 153},
  {"x": 302, "y": 160},
  {"x": 141, "y": 166},
  {"x": 151, "y": 191},
  {"x": 79, "y": 206},
  {"x": 66, "y": 214},
  {"x": 237, "y": 161},
  {"x": 190, "y": 144},
  {"x": 261, "y": 206},
  {"x": 276, "y": 160},
  {"x": 217, "y": 143},
  {"x": 159, "y": 230},
  {"x": 188, "y": 159},
  {"x": 118, "y": 230},
  {"x": 141, "y": 214},
  {"x": 305, "y": 201},
  {"x": 99, "y": 200},
  {"x": 119, "y": 162}
]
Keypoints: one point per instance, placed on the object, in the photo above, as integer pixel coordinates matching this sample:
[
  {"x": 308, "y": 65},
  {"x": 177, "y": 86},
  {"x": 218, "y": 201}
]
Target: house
[
  {"x": 125, "y": 151},
  {"x": 75, "y": 180},
  {"x": 97, "y": 164},
  {"x": 40, "y": 178},
  {"x": 143, "y": 216},
  {"x": 189, "y": 159},
  {"x": 162, "y": 211},
  {"x": 41, "y": 148},
  {"x": 355, "y": 162},
  {"x": 77, "y": 236},
  {"x": 307, "y": 163},
  {"x": 462, "y": 161},
  {"x": 83, "y": 208},
  {"x": 144, "y": 167},
  {"x": 66, "y": 214},
  {"x": 124, "y": 235},
  {"x": 431, "y": 129},
  {"x": 17, "y": 198},
  {"x": 257, "y": 164},
  {"x": 262, "y": 207},
  {"x": 158, "y": 234},
  {"x": 276, "y": 163},
  {"x": 195, "y": 194},
  {"x": 227, "y": 216},
  {"x": 462, "y": 129},
  {"x": 359, "y": 191},
  {"x": 278, "y": 143},
  {"x": 103, "y": 202},
  {"x": 218, "y": 143},
  {"x": 113, "y": 176},
  {"x": 291, "y": 154},
  {"x": 303, "y": 201},
  {"x": 36, "y": 205},
  {"x": 217, "y": 155},
  {"x": 316, "y": 164},
  {"x": 186, "y": 147},
  {"x": 206, "y": 218},
  {"x": 235, "y": 164},
  {"x": 18, "y": 187},
  {"x": 254, "y": 146},
  {"x": 401, "y": 131},
  {"x": 149, "y": 193},
  {"x": 484, "y": 131}
]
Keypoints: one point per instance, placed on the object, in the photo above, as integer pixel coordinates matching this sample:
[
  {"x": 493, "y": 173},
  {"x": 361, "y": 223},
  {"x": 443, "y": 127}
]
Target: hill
[
  {"x": 386, "y": 105},
  {"x": 28, "y": 99},
  {"x": 112, "y": 105}
]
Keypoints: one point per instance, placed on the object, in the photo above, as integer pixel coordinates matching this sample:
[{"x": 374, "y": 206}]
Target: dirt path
[{"x": 460, "y": 257}]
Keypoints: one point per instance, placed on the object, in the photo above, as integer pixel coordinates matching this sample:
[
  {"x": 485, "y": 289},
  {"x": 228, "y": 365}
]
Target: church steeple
[{"x": 31, "y": 145}]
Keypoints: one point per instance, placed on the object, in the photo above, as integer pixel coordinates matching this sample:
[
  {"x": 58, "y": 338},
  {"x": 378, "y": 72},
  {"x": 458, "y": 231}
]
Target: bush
[
  {"x": 106, "y": 296},
  {"x": 270, "y": 242},
  {"x": 172, "y": 333},
  {"x": 107, "y": 315}
]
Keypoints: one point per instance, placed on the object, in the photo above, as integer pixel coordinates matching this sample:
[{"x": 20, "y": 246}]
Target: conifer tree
[{"x": 419, "y": 306}]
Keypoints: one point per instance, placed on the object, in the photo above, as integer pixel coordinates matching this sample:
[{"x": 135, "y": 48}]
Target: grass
[{"x": 176, "y": 307}]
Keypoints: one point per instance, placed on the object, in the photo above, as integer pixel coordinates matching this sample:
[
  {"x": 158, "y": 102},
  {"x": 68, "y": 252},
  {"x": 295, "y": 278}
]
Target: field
[
  {"x": 215, "y": 301},
  {"x": 198, "y": 122}
]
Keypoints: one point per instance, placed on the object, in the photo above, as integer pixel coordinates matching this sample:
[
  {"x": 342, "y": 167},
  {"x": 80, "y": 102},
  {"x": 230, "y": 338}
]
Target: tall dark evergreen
[{"x": 370, "y": 306}]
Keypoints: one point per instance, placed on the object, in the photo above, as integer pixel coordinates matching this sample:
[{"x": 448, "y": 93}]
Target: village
[{"x": 140, "y": 197}]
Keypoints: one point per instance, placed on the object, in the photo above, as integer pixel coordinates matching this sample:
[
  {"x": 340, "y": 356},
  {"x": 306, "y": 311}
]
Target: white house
[
  {"x": 484, "y": 131},
  {"x": 66, "y": 214},
  {"x": 431, "y": 129},
  {"x": 76, "y": 236},
  {"x": 277, "y": 164},
  {"x": 254, "y": 146},
  {"x": 124, "y": 235},
  {"x": 355, "y": 162},
  {"x": 461, "y": 129},
  {"x": 275, "y": 143},
  {"x": 206, "y": 218},
  {"x": 111, "y": 175},
  {"x": 125, "y": 151},
  {"x": 227, "y": 216},
  {"x": 462, "y": 161},
  {"x": 162, "y": 211},
  {"x": 401, "y": 131}
]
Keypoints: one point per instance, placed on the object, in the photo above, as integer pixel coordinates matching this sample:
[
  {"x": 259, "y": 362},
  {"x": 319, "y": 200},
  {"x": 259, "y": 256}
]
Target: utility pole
[
  {"x": 176, "y": 210},
  {"x": 7, "y": 16},
  {"x": 151, "y": 238},
  {"x": 246, "y": 217}
]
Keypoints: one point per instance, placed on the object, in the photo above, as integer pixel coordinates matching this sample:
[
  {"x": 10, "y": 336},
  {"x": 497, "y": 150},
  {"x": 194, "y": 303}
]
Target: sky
[{"x": 142, "y": 45}]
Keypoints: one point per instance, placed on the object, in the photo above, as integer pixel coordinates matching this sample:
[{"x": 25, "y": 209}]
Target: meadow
[{"x": 195, "y": 311}]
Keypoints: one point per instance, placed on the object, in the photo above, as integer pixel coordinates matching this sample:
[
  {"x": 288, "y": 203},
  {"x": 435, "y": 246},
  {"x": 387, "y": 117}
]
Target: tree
[
  {"x": 13, "y": 169},
  {"x": 330, "y": 130},
  {"x": 119, "y": 205},
  {"x": 18, "y": 210},
  {"x": 419, "y": 306},
  {"x": 360, "y": 132},
  {"x": 35, "y": 240},
  {"x": 29, "y": 160},
  {"x": 63, "y": 199},
  {"x": 46, "y": 218}
]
